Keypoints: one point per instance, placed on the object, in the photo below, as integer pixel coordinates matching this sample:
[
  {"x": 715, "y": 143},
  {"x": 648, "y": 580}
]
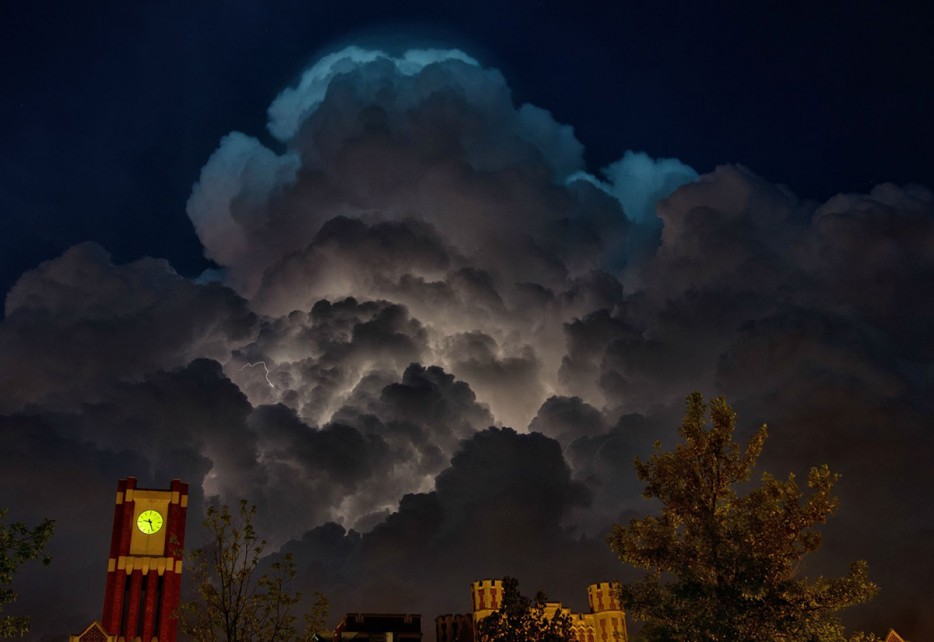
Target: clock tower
[{"x": 144, "y": 572}]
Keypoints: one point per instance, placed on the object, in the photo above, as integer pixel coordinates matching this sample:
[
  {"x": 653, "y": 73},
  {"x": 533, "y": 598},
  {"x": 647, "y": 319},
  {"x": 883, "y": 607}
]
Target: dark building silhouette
[{"x": 376, "y": 627}]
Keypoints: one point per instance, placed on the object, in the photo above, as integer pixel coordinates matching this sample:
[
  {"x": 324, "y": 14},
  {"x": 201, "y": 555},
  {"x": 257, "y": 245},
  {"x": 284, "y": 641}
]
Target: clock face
[{"x": 149, "y": 521}]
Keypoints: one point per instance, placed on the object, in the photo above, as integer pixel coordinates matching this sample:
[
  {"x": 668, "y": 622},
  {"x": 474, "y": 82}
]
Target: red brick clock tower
[{"x": 144, "y": 572}]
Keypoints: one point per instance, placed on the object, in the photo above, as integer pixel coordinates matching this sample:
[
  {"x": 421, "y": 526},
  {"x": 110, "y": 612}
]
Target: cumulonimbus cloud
[{"x": 413, "y": 258}]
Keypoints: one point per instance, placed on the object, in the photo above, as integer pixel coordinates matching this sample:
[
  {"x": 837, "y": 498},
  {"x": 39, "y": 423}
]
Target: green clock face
[{"x": 149, "y": 521}]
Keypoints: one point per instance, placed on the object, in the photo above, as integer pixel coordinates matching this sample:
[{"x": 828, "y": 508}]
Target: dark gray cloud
[
  {"x": 79, "y": 324},
  {"x": 873, "y": 255},
  {"x": 497, "y": 509},
  {"x": 415, "y": 259},
  {"x": 568, "y": 418},
  {"x": 392, "y": 250}
]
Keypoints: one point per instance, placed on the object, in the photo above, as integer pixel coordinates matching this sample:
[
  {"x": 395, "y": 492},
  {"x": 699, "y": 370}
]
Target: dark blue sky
[{"x": 110, "y": 109}]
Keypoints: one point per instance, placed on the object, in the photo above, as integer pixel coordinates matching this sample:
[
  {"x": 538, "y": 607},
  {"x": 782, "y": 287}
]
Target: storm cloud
[{"x": 437, "y": 340}]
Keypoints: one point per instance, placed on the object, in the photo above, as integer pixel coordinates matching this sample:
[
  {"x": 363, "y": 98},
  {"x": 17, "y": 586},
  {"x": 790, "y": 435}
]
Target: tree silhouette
[
  {"x": 18, "y": 544},
  {"x": 520, "y": 619},
  {"x": 235, "y": 602},
  {"x": 722, "y": 566}
]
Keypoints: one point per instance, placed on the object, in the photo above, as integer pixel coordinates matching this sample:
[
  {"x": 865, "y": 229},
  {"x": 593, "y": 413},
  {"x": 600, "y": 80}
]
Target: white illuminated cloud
[
  {"x": 235, "y": 184},
  {"x": 292, "y": 106},
  {"x": 639, "y": 182}
]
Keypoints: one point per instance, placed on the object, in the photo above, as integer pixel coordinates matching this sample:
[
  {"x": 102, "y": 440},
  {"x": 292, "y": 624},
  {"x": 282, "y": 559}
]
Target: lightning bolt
[{"x": 260, "y": 363}]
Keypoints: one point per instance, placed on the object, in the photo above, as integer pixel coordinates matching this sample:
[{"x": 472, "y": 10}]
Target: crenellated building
[{"x": 606, "y": 621}]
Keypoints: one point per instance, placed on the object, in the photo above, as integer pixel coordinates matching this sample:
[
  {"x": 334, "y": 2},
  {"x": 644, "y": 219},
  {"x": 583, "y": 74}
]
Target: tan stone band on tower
[{"x": 131, "y": 563}]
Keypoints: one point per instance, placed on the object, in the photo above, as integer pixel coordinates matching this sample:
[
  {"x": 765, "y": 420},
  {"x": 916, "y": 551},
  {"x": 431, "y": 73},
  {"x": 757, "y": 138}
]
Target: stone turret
[
  {"x": 609, "y": 620},
  {"x": 486, "y": 597},
  {"x": 604, "y": 596}
]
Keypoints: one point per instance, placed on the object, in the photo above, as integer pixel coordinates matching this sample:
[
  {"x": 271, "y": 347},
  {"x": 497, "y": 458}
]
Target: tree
[
  {"x": 237, "y": 603},
  {"x": 723, "y": 566},
  {"x": 19, "y": 544},
  {"x": 520, "y": 619}
]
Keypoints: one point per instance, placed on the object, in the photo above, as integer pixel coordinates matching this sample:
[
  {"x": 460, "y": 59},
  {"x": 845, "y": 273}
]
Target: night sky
[{"x": 422, "y": 279}]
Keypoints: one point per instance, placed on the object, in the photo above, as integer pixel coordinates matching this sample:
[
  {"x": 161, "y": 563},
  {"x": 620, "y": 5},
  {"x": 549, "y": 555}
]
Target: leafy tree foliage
[
  {"x": 520, "y": 619},
  {"x": 18, "y": 544},
  {"x": 723, "y": 566},
  {"x": 236, "y": 603}
]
